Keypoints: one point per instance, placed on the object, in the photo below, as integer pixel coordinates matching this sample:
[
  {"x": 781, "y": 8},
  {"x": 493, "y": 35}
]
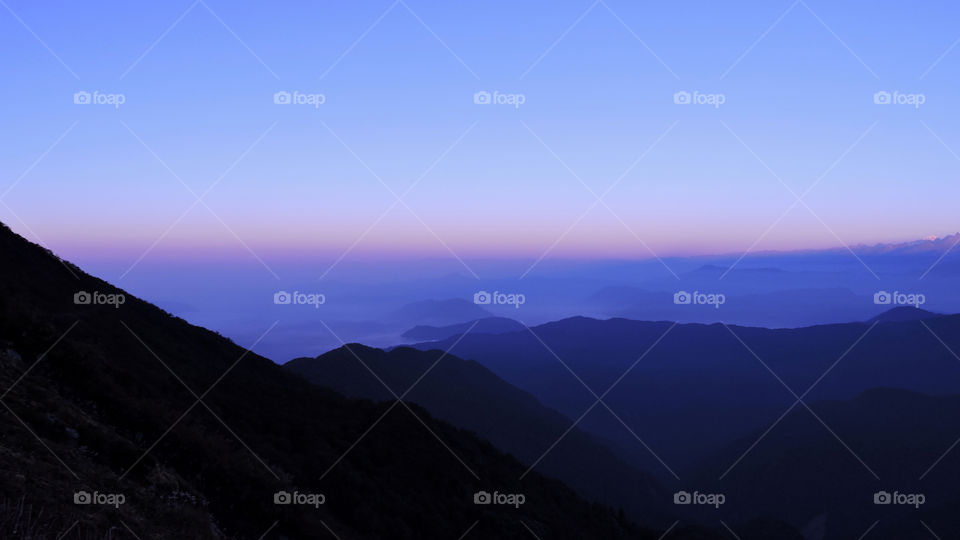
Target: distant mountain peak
[
  {"x": 904, "y": 313},
  {"x": 927, "y": 244},
  {"x": 487, "y": 325}
]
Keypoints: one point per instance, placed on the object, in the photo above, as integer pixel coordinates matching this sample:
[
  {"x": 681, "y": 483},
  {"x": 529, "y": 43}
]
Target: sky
[{"x": 588, "y": 148}]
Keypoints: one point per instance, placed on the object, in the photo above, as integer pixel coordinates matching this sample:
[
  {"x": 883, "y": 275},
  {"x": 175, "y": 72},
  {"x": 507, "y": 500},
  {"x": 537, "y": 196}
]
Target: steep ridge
[
  {"x": 670, "y": 380},
  {"x": 470, "y": 396},
  {"x": 825, "y": 475},
  {"x": 198, "y": 435}
]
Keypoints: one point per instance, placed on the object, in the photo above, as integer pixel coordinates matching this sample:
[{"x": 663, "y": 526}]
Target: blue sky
[{"x": 598, "y": 84}]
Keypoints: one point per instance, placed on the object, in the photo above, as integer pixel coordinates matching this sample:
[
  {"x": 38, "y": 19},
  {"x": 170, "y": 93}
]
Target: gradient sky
[{"x": 98, "y": 182}]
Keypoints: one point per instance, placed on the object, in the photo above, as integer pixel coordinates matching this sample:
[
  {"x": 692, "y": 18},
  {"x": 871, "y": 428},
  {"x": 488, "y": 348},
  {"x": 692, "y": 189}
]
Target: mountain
[
  {"x": 191, "y": 436},
  {"x": 718, "y": 382},
  {"x": 439, "y": 312},
  {"x": 888, "y": 440},
  {"x": 807, "y": 306},
  {"x": 488, "y": 325},
  {"x": 469, "y": 396},
  {"x": 931, "y": 244},
  {"x": 904, "y": 313}
]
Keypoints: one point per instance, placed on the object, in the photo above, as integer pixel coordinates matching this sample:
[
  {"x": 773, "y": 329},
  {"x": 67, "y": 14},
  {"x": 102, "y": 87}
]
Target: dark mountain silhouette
[
  {"x": 807, "y": 305},
  {"x": 488, "y": 325},
  {"x": 700, "y": 387},
  {"x": 904, "y": 313},
  {"x": 800, "y": 471},
  {"x": 198, "y": 434},
  {"x": 470, "y": 396},
  {"x": 439, "y": 312}
]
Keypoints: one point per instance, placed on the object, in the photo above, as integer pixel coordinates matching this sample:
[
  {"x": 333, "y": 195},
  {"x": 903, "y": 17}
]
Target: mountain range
[
  {"x": 174, "y": 431},
  {"x": 471, "y": 397},
  {"x": 202, "y": 438}
]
